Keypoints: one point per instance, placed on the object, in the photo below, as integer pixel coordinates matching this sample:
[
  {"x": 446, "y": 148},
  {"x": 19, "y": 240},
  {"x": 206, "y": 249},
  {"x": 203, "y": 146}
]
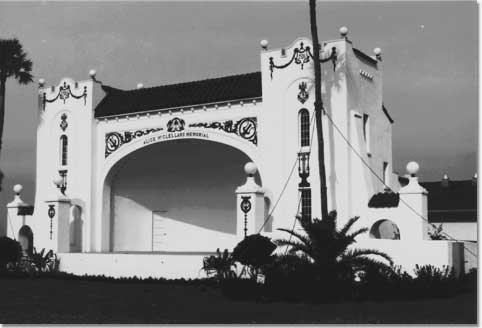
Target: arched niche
[
  {"x": 384, "y": 229},
  {"x": 75, "y": 228},
  {"x": 25, "y": 238}
]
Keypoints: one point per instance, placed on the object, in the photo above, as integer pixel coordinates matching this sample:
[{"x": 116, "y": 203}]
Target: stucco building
[{"x": 148, "y": 181}]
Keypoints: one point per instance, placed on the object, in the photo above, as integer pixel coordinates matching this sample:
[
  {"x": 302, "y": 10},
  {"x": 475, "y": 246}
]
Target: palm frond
[
  {"x": 304, "y": 239},
  {"x": 348, "y": 225},
  {"x": 357, "y": 232},
  {"x": 295, "y": 246},
  {"x": 364, "y": 262},
  {"x": 14, "y": 61},
  {"x": 364, "y": 252}
]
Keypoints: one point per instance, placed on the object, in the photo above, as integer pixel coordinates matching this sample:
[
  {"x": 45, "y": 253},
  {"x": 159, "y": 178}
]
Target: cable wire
[{"x": 383, "y": 182}]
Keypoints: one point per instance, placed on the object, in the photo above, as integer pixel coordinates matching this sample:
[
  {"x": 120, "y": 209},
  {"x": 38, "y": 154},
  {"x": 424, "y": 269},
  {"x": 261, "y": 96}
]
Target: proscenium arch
[
  {"x": 115, "y": 162},
  {"x": 236, "y": 142}
]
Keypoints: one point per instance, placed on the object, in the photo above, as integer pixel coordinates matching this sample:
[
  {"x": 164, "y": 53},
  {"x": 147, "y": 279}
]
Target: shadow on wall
[{"x": 190, "y": 181}]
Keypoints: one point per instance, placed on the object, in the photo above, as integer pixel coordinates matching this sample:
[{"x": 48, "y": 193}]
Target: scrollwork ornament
[
  {"x": 114, "y": 140},
  {"x": 246, "y": 128}
]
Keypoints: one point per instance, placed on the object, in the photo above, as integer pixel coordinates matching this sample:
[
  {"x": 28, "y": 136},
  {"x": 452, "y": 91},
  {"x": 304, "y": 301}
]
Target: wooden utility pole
[{"x": 318, "y": 109}]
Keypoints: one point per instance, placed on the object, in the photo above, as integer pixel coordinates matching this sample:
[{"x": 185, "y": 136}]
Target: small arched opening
[
  {"x": 75, "y": 228},
  {"x": 384, "y": 229},
  {"x": 25, "y": 238}
]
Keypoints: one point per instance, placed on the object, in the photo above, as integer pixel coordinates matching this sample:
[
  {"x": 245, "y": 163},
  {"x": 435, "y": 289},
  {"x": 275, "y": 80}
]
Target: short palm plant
[
  {"x": 43, "y": 262},
  {"x": 220, "y": 265},
  {"x": 327, "y": 247}
]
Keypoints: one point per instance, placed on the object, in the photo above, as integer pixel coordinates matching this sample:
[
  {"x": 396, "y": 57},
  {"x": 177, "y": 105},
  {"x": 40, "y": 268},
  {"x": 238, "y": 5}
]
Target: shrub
[
  {"x": 221, "y": 265},
  {"x": 10, "y": 252},
  {"x": 41, "y": 262},
  {"x": 254, "y": 251},
  {"x": 437, "y": 234}
]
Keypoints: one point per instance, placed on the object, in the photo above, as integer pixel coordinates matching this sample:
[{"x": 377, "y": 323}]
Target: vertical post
[
  {"x": 318, "y": 109},
  {"x": 250, "y": 205},
  {"x": 15, "y": 216},
  {"x": 415, "y": 198},
  {"x": 56, "y": 226},
  {"x": 55, "y": 230}
]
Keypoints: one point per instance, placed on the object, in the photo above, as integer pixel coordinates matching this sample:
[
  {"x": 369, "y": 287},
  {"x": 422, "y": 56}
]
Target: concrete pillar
[
  {"x": 413, "y": 198},
  {"x": 56, "y": 234},
  {"x": 16, "y": 218},
  {"x": 249, "y": 205}
]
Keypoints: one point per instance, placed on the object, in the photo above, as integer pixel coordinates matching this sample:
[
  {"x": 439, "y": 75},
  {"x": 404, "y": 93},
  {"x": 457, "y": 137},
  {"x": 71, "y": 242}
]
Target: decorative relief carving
[
  {"x": 63, "y": 122},
  {"x": 245, "y": 207},
  {"x": 301, "y": 56},
  {"x": 303, "y": 94},
  {"x": 64, "y": 93},
  {"x": 175, "y": 125},
  {"x": 245, "y": 128},
  {"x": 114, "y": 140}
]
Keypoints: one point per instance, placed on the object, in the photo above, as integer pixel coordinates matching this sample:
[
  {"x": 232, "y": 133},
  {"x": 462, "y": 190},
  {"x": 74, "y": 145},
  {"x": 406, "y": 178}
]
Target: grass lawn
[{"x": 50, "y": 301}]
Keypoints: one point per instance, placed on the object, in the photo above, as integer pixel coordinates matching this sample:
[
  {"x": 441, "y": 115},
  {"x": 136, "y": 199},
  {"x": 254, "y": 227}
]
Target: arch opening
[
  {"x": 75, "y": 228},
  {"x": 177, "y": 195},
  {"x": 384, "y": 229},
  {"x": 25, "y": 238}
]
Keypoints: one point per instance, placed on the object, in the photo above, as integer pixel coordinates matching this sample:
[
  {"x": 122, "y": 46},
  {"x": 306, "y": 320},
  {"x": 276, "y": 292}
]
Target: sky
[{"x": 430, "y": 53}]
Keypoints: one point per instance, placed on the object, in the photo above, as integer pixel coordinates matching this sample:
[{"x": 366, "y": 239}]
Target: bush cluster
[{"x": 294, "y": 280}]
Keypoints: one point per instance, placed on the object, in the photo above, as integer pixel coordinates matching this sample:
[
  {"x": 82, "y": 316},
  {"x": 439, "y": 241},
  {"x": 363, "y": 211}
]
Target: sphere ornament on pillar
[
  {"x": 92, "y": 73},
  {"x": 140, "y": 85},
  {"x": 264, "y": 44},
  {"x": 250, "y": 169},
  {"x": 378, "y": 53},
  {"x": 17, "y": 189},
  {"x": 57, "y": 181},
  {"x": 41, "y": 82},
  {"x": 344, "y": 31},
  {"x": 413, "y": 168}
]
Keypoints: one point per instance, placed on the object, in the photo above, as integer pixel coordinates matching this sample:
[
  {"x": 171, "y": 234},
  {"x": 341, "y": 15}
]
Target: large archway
[{"x": 175, "y": 196}]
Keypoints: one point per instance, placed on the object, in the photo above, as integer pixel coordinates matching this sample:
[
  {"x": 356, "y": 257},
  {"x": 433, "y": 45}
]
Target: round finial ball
[
  {"x": 140, "y": 85},
  {"x": 412, "y": 168},
  {"x": 264, "y": 44},
  {"x": 41, "y": 82},
  {"x": 343, "y": 31},
  {"x": 377, "y": 51},
  {"x": 57, "y": 181},
  {"x": 250, "y": 168},
  {"x": 92, "y": 73},
  {"x": 18, "y": 188}
]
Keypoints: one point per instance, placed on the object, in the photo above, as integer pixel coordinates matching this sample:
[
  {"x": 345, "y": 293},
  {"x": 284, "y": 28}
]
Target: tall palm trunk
[
  {"x": 318, "y": 109},
  {"x": 2, "y": 111}
]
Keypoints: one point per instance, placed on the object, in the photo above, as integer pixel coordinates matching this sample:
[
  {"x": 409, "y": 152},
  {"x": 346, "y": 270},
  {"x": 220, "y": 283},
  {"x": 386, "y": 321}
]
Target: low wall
[
  {"x": 143, "y": 265},
  {"x": 435, "y": 252},
  {"x": 466, "y": 231}
]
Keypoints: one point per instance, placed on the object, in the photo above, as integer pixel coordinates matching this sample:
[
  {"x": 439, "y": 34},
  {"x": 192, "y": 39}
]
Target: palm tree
[
  {"x": 13, "y": 63},
  {"x": 318, "y": 108},
  {"x": 327, "y": 247}
]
